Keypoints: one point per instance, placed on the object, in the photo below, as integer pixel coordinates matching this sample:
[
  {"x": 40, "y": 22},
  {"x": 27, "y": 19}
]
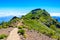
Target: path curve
[{"x": 14, "y": 35}]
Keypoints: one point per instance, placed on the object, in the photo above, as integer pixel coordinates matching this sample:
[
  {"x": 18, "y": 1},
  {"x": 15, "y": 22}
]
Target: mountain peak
[
  {"x": 37, "y": 13},
  {"x": 36, "y": 9},
  {"x": 14, "y": 17},
  {"x": 40, "y": 11}
]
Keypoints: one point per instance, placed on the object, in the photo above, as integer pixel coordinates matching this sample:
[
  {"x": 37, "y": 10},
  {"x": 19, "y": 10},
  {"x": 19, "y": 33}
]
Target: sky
[{"x": 22, "y": 7}]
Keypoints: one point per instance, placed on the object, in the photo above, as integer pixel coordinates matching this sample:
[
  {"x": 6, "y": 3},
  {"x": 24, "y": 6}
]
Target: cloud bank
[
  {"x": 55, "y": 14},
  {"x": 4, "y": 13},
  {"x": 8, "y": 12}
]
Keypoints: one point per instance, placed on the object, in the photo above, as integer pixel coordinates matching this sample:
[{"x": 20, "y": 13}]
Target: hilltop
[{"x": 37, "y": 20}]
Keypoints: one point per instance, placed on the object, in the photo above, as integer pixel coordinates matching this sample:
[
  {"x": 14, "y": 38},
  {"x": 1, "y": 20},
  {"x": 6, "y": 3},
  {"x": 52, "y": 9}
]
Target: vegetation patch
[
  {"x": 20, "y": 27},
  {"x": 2, "y": 36},
  {"x": 21, "y": 31}
]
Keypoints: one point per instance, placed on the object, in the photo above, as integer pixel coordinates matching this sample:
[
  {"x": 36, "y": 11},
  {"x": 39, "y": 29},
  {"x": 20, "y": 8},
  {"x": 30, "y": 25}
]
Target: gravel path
[{"x": 14, "y": 35}]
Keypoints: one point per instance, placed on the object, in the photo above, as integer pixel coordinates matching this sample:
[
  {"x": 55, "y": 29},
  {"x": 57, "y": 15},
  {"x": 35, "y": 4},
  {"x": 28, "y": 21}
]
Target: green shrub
[
  {"x": 0, "y": 26},
  {"x": 25, "y": 35},
  {"x": 20, "y": 27},
  {"x": 2, "y": 36},
  {"x": 21, "y": 31},
  {"x": 5, "y": 26},
  {"x": 59, "y": 38},
  {"x": 54, "y": 36},
  {"x": 53, "y": 27},
  {"x": 24, "y": 26}
]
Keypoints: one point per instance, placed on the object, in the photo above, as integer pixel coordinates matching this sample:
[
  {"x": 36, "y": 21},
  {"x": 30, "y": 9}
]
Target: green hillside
[{"x": 39, "y": 20}]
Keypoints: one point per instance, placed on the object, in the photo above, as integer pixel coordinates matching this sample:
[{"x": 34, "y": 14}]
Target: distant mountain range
[
  {"x": 7, "y": 18},
  {"x": 56, "y": 17}
]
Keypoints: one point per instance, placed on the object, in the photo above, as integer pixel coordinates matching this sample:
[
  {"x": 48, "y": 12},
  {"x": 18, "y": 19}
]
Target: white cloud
[
  {"x": 4, "y": 13},
  {"x": 55, "y": 14},
  {"x": 18, "y": 12}
]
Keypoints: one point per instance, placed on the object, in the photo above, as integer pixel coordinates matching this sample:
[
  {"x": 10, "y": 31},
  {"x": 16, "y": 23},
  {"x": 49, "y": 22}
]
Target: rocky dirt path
[
  {"x": 30, "y": 35},
  {"x": 34, "y": 35},
  {"x": 14, "y": 35}
]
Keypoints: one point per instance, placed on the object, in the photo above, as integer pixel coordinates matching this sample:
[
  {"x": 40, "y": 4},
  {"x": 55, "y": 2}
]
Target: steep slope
[
  {"x": 43, "y": 16},
  {"x": 41, "y": 21}
]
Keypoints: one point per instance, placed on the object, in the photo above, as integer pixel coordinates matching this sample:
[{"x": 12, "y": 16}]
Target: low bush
[
  {"x": 5, "y": 26},
  {"x": 0, "y": 26},
  {"x": 2, "y": 36},
  {"x": 20, "y": 27},
  {"x": 21, "y": 31},
  {"x": 53, "y": 27},
  {"x": 54, "y": 36},
  {"x": 25, "y": 35}
]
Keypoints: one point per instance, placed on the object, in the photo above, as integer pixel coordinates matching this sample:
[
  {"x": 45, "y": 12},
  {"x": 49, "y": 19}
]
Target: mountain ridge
[{"x": 38, "y": 20}]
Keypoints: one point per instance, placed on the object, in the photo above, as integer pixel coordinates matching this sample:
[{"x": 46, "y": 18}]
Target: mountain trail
[{"x": 14, "y": 35}]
